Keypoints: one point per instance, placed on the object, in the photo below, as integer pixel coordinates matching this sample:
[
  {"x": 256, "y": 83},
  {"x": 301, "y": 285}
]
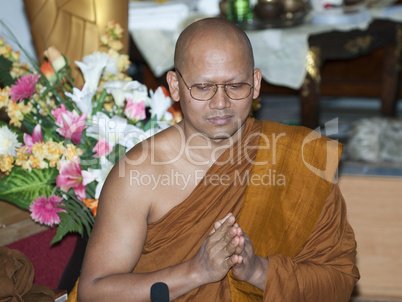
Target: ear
[
  {"x": 173, "y": 83},
  {"x": 257, "y": 83}
]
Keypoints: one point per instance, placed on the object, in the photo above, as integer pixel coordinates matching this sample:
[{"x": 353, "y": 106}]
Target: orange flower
[
  {"x": 165, "y": 91},
  {"x": 55, "y": 61},
  {"x": 175, "y": 110},
  {"x": 92, "y": 204},
  {"x": 48, "y": 71},
  {"x": 55, "y": 58}
]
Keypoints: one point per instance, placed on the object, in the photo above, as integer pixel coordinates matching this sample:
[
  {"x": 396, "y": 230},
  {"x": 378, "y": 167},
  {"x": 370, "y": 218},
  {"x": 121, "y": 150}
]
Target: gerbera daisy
[
  {"x": 8, "y": 142},
  {"x": 44, "y": 210},
  {"x": 24, "y": 87}
]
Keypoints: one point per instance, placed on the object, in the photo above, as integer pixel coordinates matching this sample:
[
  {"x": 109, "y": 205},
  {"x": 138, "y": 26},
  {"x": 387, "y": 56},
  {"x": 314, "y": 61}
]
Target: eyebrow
[
  {"x": 209, "y": 81},
  {"x": 231, "y": 80}
]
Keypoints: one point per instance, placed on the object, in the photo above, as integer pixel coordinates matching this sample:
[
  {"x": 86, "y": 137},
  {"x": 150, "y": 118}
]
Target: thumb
[
  {"x": 218, "y": 223},
  {"x": 226, "y": 225}
]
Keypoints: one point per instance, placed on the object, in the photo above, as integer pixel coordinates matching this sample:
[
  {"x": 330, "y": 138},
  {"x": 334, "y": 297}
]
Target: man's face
[{"x": 219, "y": 117}]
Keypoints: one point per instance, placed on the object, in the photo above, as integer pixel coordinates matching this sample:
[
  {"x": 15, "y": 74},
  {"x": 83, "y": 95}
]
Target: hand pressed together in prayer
[
  {"x": 245, "y": 264},
  {"x": 218, "y": 251}
]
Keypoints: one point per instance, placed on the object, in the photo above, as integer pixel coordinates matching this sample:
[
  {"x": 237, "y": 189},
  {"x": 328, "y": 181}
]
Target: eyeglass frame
[{"x": 216, "y": 90}]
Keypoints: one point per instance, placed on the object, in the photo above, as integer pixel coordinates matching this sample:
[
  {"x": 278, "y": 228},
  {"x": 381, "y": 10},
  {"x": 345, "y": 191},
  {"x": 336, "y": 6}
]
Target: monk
[{"x": 222, "y": 207}]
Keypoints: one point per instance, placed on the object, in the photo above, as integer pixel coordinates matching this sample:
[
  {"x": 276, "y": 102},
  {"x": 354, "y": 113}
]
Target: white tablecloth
[{"x": 279, "y": 53}]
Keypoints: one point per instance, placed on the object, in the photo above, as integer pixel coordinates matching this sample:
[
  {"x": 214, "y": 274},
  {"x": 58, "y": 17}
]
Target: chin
[{"x": 222, "y": 134}]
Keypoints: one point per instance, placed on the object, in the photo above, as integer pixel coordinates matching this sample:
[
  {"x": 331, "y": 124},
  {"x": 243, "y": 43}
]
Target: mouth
[{"x": 220, "y": 120}]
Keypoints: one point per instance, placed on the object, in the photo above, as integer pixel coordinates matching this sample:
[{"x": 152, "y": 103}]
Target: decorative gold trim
[
  {"x": 359, "y": 44},
  {"x": 74, "y": 27},
  {"x": 313, "y": 62}
]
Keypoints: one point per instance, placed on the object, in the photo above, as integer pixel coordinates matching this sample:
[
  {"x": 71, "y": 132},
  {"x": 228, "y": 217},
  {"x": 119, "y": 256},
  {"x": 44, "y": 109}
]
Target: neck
[{"x": 205, "y": 150}]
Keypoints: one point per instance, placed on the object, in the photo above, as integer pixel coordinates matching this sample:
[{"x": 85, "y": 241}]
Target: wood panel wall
[{"x": 375, "y": 213}]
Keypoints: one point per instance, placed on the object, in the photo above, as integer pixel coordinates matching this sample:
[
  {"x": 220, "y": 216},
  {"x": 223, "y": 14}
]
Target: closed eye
[
  {"x": 203, "y": 86},
  {"x": 234, "y": 86}
]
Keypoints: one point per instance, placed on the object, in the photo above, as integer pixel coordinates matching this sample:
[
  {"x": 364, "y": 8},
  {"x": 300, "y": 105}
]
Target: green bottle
[
  {"x": 230, "y": 10},
  {"x": 242, "y": 10}
]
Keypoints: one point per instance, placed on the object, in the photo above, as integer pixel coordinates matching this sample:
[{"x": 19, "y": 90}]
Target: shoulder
[
  {"x": 150, "y": 156},
  {"x": 155, "y": 151},
  {"x": 298, "y": 137}
]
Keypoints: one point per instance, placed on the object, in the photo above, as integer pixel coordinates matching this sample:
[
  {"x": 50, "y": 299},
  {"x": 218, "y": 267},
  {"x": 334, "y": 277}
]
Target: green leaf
[
  {"x": 67, "y": 225},
  {"x": 77, "y": 219},
  {"x": 151, "y": 123},
  {"x": 117, "y": 152},
  {"x": 5, "y": 77},
  {"x": 100, "y": 102},
  {"x": 22, "y": 187}
]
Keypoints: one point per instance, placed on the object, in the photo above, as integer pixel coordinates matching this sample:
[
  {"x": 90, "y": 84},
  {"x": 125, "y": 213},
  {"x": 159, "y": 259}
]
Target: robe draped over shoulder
[
  {"x": 284, "y": 198},
  {"x": 178, "y": 236}
]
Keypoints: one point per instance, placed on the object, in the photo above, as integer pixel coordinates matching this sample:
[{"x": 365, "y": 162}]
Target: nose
[{"x": 220, "y": 100}]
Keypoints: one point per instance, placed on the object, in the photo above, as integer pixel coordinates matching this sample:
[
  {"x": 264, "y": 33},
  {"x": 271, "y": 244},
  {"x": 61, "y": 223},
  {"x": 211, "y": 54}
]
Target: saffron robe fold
[{"x": 284, "y": 200}]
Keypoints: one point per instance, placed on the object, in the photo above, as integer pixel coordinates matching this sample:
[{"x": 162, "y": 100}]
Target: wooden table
[{"x": 341, "y": 45}]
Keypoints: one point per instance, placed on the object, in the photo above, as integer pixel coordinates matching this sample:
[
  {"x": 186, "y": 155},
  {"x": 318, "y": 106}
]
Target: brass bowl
[
  {"x": 284, "y": 10},
  {"x": 295, "y": 6},
  {"x": 269, "y": 9}
]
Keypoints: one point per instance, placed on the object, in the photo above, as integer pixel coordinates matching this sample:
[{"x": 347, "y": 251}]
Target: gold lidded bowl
[
  {"x": 269, "y": 9},
  {"x": 279, "y": 13}
]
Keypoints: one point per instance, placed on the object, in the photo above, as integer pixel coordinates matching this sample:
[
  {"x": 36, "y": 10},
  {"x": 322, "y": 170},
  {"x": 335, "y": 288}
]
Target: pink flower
[
  {"x": 57, "y": 114},
  {"x": 135, "y": 110},
  {"x": 70, "y": 177},
  {"x": 44, "y": 210},
  {"x": 70, "y": 122},
  {"x": 24, "y": 87},
  {"x": 35, "y": 138},
  {"x": 102, "y": 148}
]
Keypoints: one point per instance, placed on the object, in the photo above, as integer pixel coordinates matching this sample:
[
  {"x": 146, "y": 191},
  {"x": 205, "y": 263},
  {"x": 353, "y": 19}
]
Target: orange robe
[{"x": 288, "y": 206}]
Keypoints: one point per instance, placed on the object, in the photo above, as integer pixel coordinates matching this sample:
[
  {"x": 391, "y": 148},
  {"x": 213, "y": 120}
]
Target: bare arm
[{"x": 117, "y": 241}]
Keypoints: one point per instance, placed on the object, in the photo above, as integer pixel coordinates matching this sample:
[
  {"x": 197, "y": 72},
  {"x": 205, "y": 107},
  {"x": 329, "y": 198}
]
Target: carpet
[{"x": 49, "y": 261}]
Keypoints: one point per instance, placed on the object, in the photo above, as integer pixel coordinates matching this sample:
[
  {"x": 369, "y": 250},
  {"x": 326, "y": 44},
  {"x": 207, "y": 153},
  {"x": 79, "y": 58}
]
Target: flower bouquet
[{"x": 58, "y": 142}]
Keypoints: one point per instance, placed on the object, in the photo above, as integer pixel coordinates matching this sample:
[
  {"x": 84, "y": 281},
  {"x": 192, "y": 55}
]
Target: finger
[
  {"x": 241, "y": 246},
  {"x": 231, "y": 246},
  {"x": 215, "y": 227},
  {"x": 226, "y": 227},
  {"x": 231, "y": 261},
  {"x": 239, "y": 231},
  {"x": 218, "y": 223},
  {"x": 247, "y": 238}
]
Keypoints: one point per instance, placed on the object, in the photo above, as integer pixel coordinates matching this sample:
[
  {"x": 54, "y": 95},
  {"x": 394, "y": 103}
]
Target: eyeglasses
[{"x": 206, "y": 91}]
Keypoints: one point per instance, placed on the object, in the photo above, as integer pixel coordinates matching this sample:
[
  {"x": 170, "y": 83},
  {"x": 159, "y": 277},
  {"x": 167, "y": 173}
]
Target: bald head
[{"x": 211, "y": 33}]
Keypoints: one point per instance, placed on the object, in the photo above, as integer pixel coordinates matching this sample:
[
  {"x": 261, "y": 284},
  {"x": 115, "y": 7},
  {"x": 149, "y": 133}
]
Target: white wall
[{"x": 12, "y": 13}]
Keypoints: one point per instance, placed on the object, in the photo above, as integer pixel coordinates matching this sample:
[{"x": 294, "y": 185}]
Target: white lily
[
  {"x": 139, "y": 92},
  {"x": 160, "y": 104},
  {"x": 114, "y": 130},
  {"x": 122, "y": 90},
  {"x": 98, "y": 175},
  {"x": 82, "y": 98},
  {"x": 92, "y": 67}
]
